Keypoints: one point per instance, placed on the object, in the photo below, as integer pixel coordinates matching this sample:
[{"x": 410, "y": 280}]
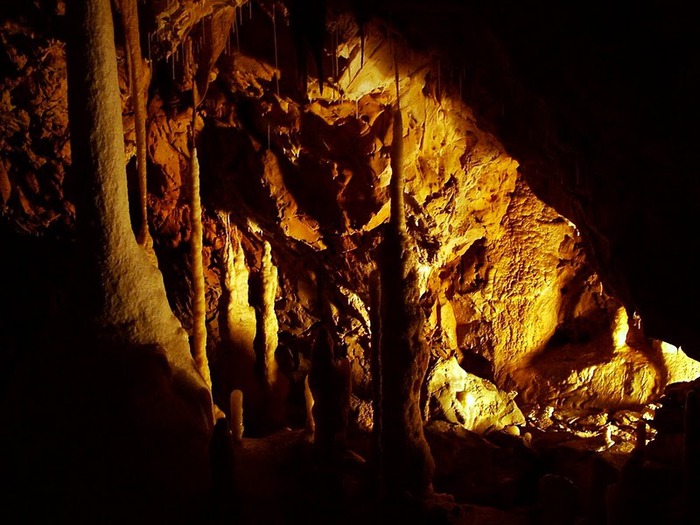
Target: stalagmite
[
  {"x": 408, "y": 464},
  {"x": 309, "y": 405},
  {"x": 130, "y": 320},
  {"x": 376, "y": 372},
  {"x": 237, "y": 416},
  {"x": 131, "y": 303},
  {"x": 199, "y": 303},
  {"x": 329, "y": 382},
  {"x": 397, "y": 221},
  {"x": 133, "y": 44},
  {"x": 269, "y": 318},
  {"x": 239, "y": 326},
  {"x": 274, "y": 385}
]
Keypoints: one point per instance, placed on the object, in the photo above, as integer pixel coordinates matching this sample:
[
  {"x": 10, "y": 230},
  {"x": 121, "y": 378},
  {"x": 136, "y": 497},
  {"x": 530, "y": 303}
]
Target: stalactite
[
  {"x": 362, "y": 15},
  {"x": 308, "y": 23},
  {"x": 274, "y": 36},
  {"x": 199, "y": 303},
  {"x": 214, "y": 32},
  {"x": 362, "y": 46},
  {"x": 334, "y": 46},
  {"x": 238, "y": 36},
  {"x": 269, "y": 317},
  {"x": 130, "y": 20}
]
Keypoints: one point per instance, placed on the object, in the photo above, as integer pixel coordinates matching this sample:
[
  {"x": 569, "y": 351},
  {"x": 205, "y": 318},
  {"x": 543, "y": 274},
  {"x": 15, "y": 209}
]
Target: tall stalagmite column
[
  {"x": 275, "y": 383},
  {"x": 239, "y": 327},
  {"x": 269, "y": 317},
  {"x": 407, "y": 461},
  {"x": 129, "y": 300},
  {"x": 199, "y": 301},
  {"x": 238, "y": 324},
  {"x": 330, "y": 383}
]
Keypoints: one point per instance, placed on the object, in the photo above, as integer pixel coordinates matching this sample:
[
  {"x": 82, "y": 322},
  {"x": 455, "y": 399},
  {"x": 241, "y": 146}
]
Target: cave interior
[{"x": 341, "y": 261}]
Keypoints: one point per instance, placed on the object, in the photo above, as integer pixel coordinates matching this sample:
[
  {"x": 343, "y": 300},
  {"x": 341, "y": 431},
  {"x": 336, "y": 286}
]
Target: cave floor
[
  {"x": 478, "y": 480},
  {"x": 72, "y": 446}
]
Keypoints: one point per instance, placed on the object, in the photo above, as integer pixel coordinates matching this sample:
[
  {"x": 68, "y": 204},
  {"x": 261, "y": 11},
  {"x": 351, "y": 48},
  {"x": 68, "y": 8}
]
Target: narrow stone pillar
[{"x": 407, "y": 461}]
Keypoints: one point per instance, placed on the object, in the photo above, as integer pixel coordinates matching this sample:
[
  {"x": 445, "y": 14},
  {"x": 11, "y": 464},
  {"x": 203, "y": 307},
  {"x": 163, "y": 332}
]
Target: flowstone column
[{"x": 128, "y": 294}]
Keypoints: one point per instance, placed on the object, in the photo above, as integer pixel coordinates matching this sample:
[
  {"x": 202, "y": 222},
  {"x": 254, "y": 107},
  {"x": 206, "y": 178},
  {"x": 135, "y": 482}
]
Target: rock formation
[{"x": 539, "y": 265}]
